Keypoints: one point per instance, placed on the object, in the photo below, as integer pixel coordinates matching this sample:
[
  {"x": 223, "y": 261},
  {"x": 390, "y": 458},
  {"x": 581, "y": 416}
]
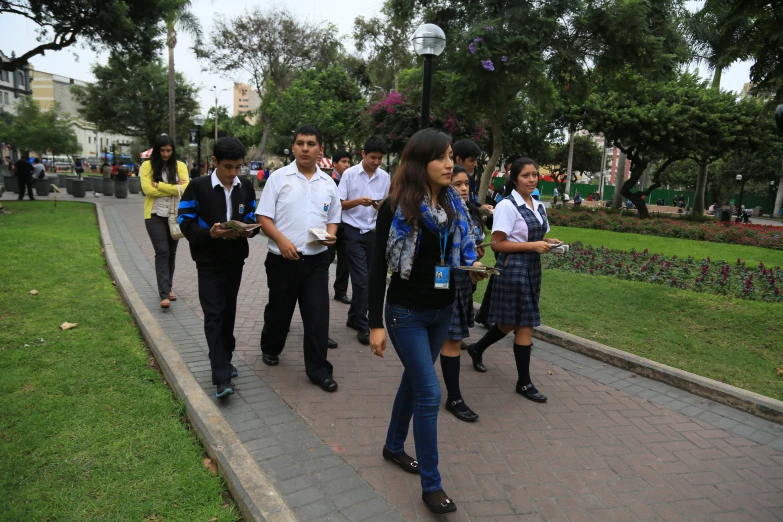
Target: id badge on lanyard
[{"x": 442, "y": 271}]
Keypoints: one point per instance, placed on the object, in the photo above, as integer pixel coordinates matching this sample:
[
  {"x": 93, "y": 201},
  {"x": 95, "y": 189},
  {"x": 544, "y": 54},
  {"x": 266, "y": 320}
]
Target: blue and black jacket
[{"x": 202, "y": 206}]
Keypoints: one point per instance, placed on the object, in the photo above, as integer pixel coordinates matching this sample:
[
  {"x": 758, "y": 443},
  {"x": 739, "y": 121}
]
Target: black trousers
[
  {"x": 165, "y": 253},
  {"x": 343, "y": 268},
  {"x": 360, "y": 249},
  {"x": 26, "y": 182},
  {"x": 305, "y": 281},
  {"x": 217, "y": 292}
]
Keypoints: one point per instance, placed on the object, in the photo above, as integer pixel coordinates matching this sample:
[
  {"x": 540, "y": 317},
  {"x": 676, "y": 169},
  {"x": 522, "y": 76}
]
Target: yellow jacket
[{"x": 164, "y": 189}]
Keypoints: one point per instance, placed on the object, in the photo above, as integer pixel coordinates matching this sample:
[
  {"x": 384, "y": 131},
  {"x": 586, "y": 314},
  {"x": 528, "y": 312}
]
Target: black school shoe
[
  {"x": 403, "y": 460},
  {"x": 328, "y": 384},
  {"x": 364, "y": 337},
  {"x": 460, "y": 410},
  {"x": 344, "y": 299},
  {"x": 439, "y": 508},
  {"x": 477, "y": 358},
  {"x": 270, "y": 360},
  {"x": 224, "y": 389},
  {"x": 530, "y": 392},
  {"x": 331, "y": 343}
]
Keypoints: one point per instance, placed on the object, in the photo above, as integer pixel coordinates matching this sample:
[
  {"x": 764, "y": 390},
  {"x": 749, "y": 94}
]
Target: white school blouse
[
  {"x": 296, "y": 204},
  {"x": 507, "y": 218}
]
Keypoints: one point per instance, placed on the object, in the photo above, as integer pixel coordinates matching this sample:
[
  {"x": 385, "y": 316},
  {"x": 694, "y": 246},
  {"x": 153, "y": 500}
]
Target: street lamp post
[
  {"x": 286, "y": 152},
  {"x": 429, "y": 40},
  {"x": 217, "y": 94},
  {"x": 739, "y": 203},
  {"x": 198, "y": 121}
]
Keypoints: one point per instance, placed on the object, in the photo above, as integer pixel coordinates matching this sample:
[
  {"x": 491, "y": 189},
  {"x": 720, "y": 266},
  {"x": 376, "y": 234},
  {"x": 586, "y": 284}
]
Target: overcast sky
[{"x": 18, "y": 34}]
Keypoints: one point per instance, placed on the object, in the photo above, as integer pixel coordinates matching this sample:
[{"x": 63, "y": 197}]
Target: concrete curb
[
  {"x": 253, "y": 492},
  {"x": 749, "y": 402}
]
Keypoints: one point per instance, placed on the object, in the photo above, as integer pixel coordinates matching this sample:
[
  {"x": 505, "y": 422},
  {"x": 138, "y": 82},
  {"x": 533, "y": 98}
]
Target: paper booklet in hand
[
  {"x": 318, "y": 234},
  {"x": 239, "y": 226},
  {"x": 483, "y": 269},
  {"x": 559, "y": 248}
]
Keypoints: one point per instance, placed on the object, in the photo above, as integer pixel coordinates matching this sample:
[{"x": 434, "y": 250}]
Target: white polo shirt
[
  {"x": 507, "y": 218},
  {"x": 296, "y": 204},
  {"x": 356, "y": 183},
  {"x": 227, "y": 193}
]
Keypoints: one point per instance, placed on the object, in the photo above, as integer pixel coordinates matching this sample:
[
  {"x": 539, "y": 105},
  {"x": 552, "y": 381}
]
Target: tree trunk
[
  {"x": 570, "y": 162},
  {"x": 497, "y": 148},
  {"x": 619, "y": 180},
  {"x": 779, "y": 196},
  {"x": 701, "y": 189},
  {"x": 264, "y": 139},
  {"x": 716, "y": 78},
  {"x": 172, "y": 42}
]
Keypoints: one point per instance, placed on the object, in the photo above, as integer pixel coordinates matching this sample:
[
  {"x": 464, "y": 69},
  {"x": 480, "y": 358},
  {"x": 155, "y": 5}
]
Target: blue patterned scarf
[{"x": 404, "y": 238}]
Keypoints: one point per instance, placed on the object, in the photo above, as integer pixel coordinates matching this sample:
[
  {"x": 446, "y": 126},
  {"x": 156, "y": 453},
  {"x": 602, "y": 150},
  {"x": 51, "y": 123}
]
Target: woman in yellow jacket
[{"x": 162, "y": 177}]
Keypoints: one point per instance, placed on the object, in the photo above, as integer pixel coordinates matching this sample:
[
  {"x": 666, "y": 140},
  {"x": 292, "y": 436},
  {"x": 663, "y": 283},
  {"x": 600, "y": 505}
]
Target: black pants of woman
[{"x": 165, "y": 252}]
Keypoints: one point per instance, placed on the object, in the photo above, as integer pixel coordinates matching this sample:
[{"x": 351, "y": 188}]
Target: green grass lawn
[
  {"x": 88, "y": 431},
  {"x": 669, "y": 246},
  {"x": 730, "y": 340}
]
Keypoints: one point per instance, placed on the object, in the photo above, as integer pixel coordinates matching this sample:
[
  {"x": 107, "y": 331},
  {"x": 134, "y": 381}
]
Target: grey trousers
[
  {"x": 360, "y": 248},
  {"x": 165, "y": 253}
]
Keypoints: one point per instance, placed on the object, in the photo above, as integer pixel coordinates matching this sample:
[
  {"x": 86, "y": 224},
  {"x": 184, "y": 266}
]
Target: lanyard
[{"x": 443, "y": 240}]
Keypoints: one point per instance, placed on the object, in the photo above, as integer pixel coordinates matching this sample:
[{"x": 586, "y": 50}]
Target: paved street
[{"x": 607, "y": 446}]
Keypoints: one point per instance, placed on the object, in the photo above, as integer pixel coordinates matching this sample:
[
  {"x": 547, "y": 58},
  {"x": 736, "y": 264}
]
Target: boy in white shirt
[
  {"x": 361, "y": 190},
  {"x": 296, "y": 198}
]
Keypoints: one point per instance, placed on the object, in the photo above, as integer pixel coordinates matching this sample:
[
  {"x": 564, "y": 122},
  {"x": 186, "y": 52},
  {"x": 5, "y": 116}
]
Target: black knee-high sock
[
  {"x": 450, "y": 368},
  {"x": 522, "y": 358},
  {"x": 492, "y": 336}
]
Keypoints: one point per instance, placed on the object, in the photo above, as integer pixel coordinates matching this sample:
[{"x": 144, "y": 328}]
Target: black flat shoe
[
  {"x": 439, "y": 508},
  {"x": 478, "y": 363},
  {"x": 364, "y": 337},
  {"x": 331, "y": 343},
  {"x": 460, "y": 410},
  {"x": 530, "y": 392},
  {"x": 353, "y": 326},
  {"x": 344, "y": 299},
  {"x": 403, "y": 460},
  {"x": 328, "y": 384},
  {"x": 270, "y": 360}
]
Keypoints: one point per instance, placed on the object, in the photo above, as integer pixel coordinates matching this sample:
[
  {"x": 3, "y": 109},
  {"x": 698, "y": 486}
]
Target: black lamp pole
[
  {"x": 198, "y": 149},
  {"x": 425, "y": 94}
]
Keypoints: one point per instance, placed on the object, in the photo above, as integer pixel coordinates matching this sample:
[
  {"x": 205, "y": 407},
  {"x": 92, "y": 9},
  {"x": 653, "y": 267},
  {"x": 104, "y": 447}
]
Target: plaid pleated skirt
[
  {"x": 516, "y": 291},
  {"x": 462, "y": 318}
]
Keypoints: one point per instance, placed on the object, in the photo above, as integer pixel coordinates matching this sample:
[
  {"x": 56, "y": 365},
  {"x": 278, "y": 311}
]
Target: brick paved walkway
[{"x": 607, "y": 445}]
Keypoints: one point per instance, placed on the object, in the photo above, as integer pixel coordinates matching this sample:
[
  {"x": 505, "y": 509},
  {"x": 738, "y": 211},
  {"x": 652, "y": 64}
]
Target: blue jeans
[{"x": 417, "y": 337}]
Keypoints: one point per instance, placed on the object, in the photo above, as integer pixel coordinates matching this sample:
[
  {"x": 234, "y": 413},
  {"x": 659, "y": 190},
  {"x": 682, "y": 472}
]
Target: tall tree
[
  {"x": 272, "y": 47},
  {"x": 127, "y": 25},
  {"x": 327, "y": 98},
  {"x": 30, "y": 128},
  {"x": 184, "y": 20},
  {"x": 130, "y": 97}
]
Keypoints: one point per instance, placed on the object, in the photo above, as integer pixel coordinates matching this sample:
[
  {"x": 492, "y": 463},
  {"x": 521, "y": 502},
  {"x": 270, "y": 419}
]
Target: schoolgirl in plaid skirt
[
  {"x": 520, "y": 224},
  {"x": 462, "y": 318}
]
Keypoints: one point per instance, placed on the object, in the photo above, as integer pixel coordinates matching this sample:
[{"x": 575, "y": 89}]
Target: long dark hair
[
  {"x": 409, "y": 185},
  {"x": 513, "y": 174},
  {"x": 157, "y": 163}
]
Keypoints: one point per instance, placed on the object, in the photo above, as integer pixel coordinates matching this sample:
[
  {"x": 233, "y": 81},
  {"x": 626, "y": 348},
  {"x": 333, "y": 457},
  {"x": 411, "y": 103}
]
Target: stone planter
[
  {"x": 134, "y": 185},
  {"x": 69, "y": 185},
  {"x": 108, "y": 187},
  {"x": 61, "y": 180},
  {"x": 120, "y": 189},
  {"x": 77, "y": 188},
  {"x": 11, "y": 183},
  {"x": 42, "y": 187},
  {"x": 88, "y": 183}
]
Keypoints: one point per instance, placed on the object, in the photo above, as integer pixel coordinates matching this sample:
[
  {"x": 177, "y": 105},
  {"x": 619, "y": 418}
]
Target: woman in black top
[{"x": 422, "y": 235}]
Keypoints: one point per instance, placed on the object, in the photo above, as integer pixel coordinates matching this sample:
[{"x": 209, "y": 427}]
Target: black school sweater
[
  {"x": 419, "y": 291},
  {"x": 202, "y": 206}
]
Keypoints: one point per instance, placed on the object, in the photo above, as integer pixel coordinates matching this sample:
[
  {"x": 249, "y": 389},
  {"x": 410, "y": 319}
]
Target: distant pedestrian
[
  {"x": 163, "y": 178},
  {"x": 24, "y": 173},
  {"x": 341, "y": 161},
  {"x": 78, "y": 167},
  {"x": 114, "y": 170},
  {"x": 38, "y": 169},
  {"x": 219, "y": 253},
  {"x": 106, "y": 170},
  {"x": 554, "y": 201}
]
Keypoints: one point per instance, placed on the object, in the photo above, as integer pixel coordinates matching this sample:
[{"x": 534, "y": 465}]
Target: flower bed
[
  {"x": 765, "y": 236},
  {"x": 758, "y": 283}
]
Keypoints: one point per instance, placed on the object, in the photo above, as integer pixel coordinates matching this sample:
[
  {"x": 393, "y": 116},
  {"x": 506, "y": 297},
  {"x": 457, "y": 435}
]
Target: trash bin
[
  {"x": 120, "y": 188},
  {"x": 69, "y": 185},
  {"x": 11, "y": 183},
  {"x": 725, "y": 215},
  {"x": 108, "y": 187},
  {"x": 77, "y": 188},
  {"x": 88, "y": 183},
  {"x": 42, "y": 187},
  {"x": 61, "y": 180},
  {"x": 134, "y": 185}
]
